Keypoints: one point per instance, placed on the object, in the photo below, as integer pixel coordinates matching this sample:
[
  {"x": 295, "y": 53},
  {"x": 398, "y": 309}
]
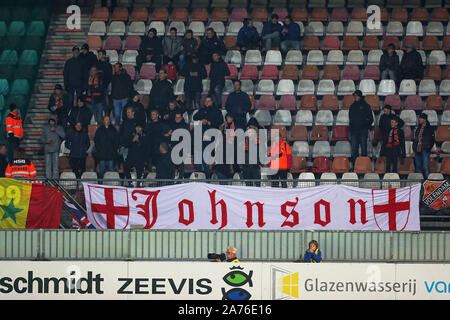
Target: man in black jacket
[
  {"x": 411, "y": 66},
  {"x": 394, "y": 146},
  {"x": 58, "y": 104},
  {"x": 189, "y": 47},
  {"x": 122, "y": 87},
  {"x": 174, "y": 107},
  {"x": 385, "y": 123},
  {"x": 165, "y": 168},
  {"x": 88, "y": 57},
  {"x": 75, "y": 76},
  {"x": 210, "y": 44},
  {"x": 194, "y": 72},
  {"x": 128, "y": 126},
  {"x": 360, "y": 118},
  {"x": 105, "y": 69},
  {"x": 80, "y": 113},
  {"x": 219, "y": 70},
  {"x": 422, "y": 145},
  {"x": 138, "y": 108},
  {"x": 238, "y": 104},
  {"x": 210, "y": 113},
  {"x": 136, "y": 153},
  {"x": 156, "y": 131},
  {"x": 161, "y": 93},
  {"x": 150, "y": 50},
  {"x": 106, "y": 145},
  {"x": 389, "y": 63}
]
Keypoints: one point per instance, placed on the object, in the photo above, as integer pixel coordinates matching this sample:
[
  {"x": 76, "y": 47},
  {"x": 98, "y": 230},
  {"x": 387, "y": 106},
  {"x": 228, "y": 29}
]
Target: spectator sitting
[
  {"x": 75, "y": 77},
  {"x": 150, "y": 50},
  {"x": 138, "y": 108},
  {"x": 80, "y": 113},
  {"x": 174, "y": 107},
  {"x": 78, "y": 143},
  {"x": 271, "y": 33},
  {"x": 3, "y": 160},
  {"x": 360, "y": 120},
  {"x": 189, "y": 47},
  {"x": 248, "y": 37},
  {"x": 313, "y": 254},
  {"x": 106, "y": 141},
  {"x": 193, "y": 72},
  {"x": 96, "y": 90},
  {"x": 389, "y": 63},
  {"x": 52, "y": 136},
  {"x": 411, "y": 66},
  {"x": 219, "y": 70},
  {"x": 172, "y": 47},
  {"x": 238, "y": 104},
  {"x": 88, "y": 57},
  {"x": 121, "y": 89},
  {"x": 210, "y": 115},
  {"x": 20, "y": 167},
  {"x": 165, "y": 168},
  {"x": 161, "y": 93},
  {"x": 290, "y": 35},
  {"x": 58, "y": 105},
  {"x": 394, "y": 145},
  {"x": 422, "y": 145},
  {"x": 210, "y": 44},
  {"x": 14, "y": 130}
]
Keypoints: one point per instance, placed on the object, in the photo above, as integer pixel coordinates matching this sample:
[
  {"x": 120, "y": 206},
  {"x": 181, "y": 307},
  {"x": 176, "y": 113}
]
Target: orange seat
[
  {"x": 433, "y": 165},
  {"x": 419, "y": 14},
  {"x": 139, "y": 14},
  {"x": 260, "y": 14},
  {"x": 64, "y": 164},
  {"x": 90, "y": 164},
  {"x": 434, "y": 102},
  {"x": 299, "y": 14},
  {"x": 370, "y": 43},
  {"x": 321, "y": 165},
  {"x": 310, "y": 72},
  {"x": 299, "y": 133},
  {"x": 160, "y": 14},
  {"x": 311, "y": 43},
  {"x": 363, "y": 165},
  {"x": 290, "y": 72},
  {"x": 446, "y": 43},
  {"x": 308, "y": 102},
  {"x": 447, "y": 73},
  {"x": 219, "y": 14},
  {"x": 350, "y": 43},
  {"x": 430, "y": 43},
  {"x": 380, "y": 165},
  {"x": 439, "y": 14},
  {"x": 340, "y": 133},
  {"x": 433, "y": 72},
  {"x": 319, "y": 14},
  {"x": 391, "y": 39},
  {"x": 347, "y": 101},
  {"x": 406, "y": 166},
  {"x": 94, "y": 42},
  {"x": 230, "y": 42},
  {"x": 359, "y": 14},
  {"x": 299, "y": 165},
  {"x": 180, "y": 14},
  {"x": 330, "y": 102},
  {"x": 443, "y": 134},
  {"x": 410, "y": 40},
  {"x": 199, "y": 14},
  {"x": 319, "y": 133},
  {"x": 331, "y": 72},
  {"x": 120, "y": 14},
  {"x": 100, "y": 14},
  {"x": 445, "y": 166},
  {"x": 399, "y": 14},
  {"x": 374, "y": 101},
  {"x": 340, "y": 165}
]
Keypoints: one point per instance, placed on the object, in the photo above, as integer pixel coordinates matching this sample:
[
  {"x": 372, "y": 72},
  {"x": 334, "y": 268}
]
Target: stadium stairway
[{"x": 58, "y": 48}]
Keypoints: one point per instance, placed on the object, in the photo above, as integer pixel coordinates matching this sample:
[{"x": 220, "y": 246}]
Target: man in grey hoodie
[
  {"x": 172, "y": 47},
  {"x": 52, "y": 136}
]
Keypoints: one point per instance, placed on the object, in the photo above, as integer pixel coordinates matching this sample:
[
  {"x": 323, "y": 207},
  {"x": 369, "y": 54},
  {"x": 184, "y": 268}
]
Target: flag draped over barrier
[
  {"x": 26, "y": 205},
  {"x": 208, "y": 206}
]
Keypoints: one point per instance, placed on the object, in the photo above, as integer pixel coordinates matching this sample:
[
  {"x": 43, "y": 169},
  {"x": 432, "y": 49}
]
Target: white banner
[
  {"x": 95, "y": 280},
  {"x": 209, "y": 206}
]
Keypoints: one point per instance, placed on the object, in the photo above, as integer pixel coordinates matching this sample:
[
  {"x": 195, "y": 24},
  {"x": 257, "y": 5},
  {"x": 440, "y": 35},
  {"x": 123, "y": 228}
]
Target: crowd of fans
[{"x": 139, "y": 136}]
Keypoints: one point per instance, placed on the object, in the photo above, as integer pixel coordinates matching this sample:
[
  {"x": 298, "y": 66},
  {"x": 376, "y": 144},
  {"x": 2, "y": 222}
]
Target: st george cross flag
[{"x": 208, "y": 206}]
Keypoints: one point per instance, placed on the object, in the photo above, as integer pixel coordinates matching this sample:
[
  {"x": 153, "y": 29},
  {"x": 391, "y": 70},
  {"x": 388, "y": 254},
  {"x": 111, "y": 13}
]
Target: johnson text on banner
[{"x": 217, "y": 207}]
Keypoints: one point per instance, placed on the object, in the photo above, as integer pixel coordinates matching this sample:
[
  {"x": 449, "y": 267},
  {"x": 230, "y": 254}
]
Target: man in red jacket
[{"x": 280, "y": 158}]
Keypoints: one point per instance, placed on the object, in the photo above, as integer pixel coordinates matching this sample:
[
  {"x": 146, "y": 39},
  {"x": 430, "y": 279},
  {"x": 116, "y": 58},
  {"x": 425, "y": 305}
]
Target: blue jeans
[
  {"x": 358, "y": 137},
  {"x": 290, "y": 44},
  {"x": 271, "y": 39},
  {"x": 106, "y": 165},
  {"x": 97, "y": 111},
  {"x": 385, "y": 73},
  {"x": 422, "y": 163},
  {"x": 118, "y": 109},
  {"x": 217, "y": 95}
]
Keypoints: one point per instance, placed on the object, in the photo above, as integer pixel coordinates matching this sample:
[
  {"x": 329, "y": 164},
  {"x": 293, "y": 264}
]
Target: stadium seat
[
  {"x": 199, "y": 14},
  {"x": 325, "y": 87},
  {"x": 394, "y": 28},
  {"x": 340, "y": 133},
  {"x": 180, "y": 14},
  {"x": 331, "y": 72},
  {"x": 367, "y": 87},
  {"x": 399, "y": 14},
  {"x": 427, "y": 88},
  {"x": 346, "y": 87},
  {"x": 147, "y": 71},
  {"x": 330, "y": 102},
  {"x": 285, "y": 87},
  {"x": 233, "y": 57},
  {"x": 273, "y": 57},
  {"x": 335, "y": 28},
  {"x": 374, "y": 57},
  {"x": 330, "y": 43},
  {"x": 304, "y": 118},
  {"x": 265, "y": 87},
  {"x": 371, "y": 72},
  {"x": 100, "y": 14},
  {"x": 308, "y": 102},
  {"x": 374, "y": 101},
  {"x": 409, "y": 117},
  {"x": 335, "y": 57},
  {"x": 419, "y": 14},
  {"x": 444, "y": 88},
  {"x": 393, "y": 100},
  {"x": 342, "y": 149},
  {"x": 370, "y": 43},
  {"x": 437, "y": 57},
  {"x": 298, "y": 165},
  {"x": 342, "y": 118},
  {"x": 376, "y": 30},
  {"x": 268, "y": 72},
  {"x": 324, "y": 117},
  {"x": 445, "y": 120},
  {"x": 289, "y": 72},
  {"x": 434, "y": 102},
  {"x": 97, "y": 28},
  {"x": 159, "y": 26},
  {"x": 253, "y": 57},
  {"x": 139, "y": 14},
  {"x": 413, "y": 102},
  {"x": 355, "y": 57},
  {"x": 282, "y": 118},
  {"x": 305, "y": 87},
  {"x": 362, "y": 165},
  {"x": 305, "y": 180},
  {"x": 430, "y": 43},
  {"x": 340, "y": 165},
  {"x": 407, "y": 87},
  {"x": 249, "y": 72},
  {"x": 119, "y": 14},
  {"x": 338, "y": 14},
  {"x": 390, "y": 184},
  {"x": 315, "y": 28},
  {"x": 132, "y": 43},
  {"x": 267, "y": 102},
  {"x": 435, "y": 29},
  {"x": 230, "y": 42},
  {"x": 300, "y": 149},
  {"x": 433, "y": 118},
  {"x": 310, "y": 72},
  {"x": 350, "y": 43},
  {"x": 160, "y": 14},
  {"x": 321, "y": 165},
  {"x": 113, "y": 43},
  {"x": 287, "y": 102},
  {"x": 299, "y": 133},
  {"x": 370, "y": 181},
  {"x": 391, "y": 40},
  {"x": 311, "y": 43},
  {"x": 179, "y": 25},
  {"x": 433, "y": 72},
  {"x": 143, "y": 86},
  {"x": 263, "y": 117},
  {"x": 319, "y": 14},
  {"x": 293, "y": 57},
  {"x": 321, "y": 149}
]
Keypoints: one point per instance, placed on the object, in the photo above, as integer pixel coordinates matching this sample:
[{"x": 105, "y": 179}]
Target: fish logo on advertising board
[
  {"x": 237, "y": 278},
  {"x": 285, "y": 284}
]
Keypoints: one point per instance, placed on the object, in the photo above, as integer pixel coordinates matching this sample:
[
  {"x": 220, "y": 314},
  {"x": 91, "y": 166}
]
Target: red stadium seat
[
  {"x": 269, "y": 72},
  {"x": 249, "y": 72},
  {"x": 374, "y": 102},
  {"x": 310, "y": 72},
  {"x": 430, "y": 43},
  {"x": 406, "y": 166},
  {"x": 331, "y": 43},
  {"x": 350, "y": 43},
  {"x": 410, "y": 40},
  {"x": 339, "y": 14},
  {"x": 331, "y": 72},
  {"x": 299, "y": 165},
  {"x": 391, "y": 39},
  {"x": 445, "y": 166},
  {"x": 132, "y": 43},
  {"x": 433, "y": 72},
  {"x": 139, "y": 14},
  {"x": 370, "y": 43},
  {"x": 340, "y": 165},
  {"x": 160, "y": 14},
  {"x": 359, "y": 14},
  {"x": 308, "y": 102},
  {"x": 199, "y": 14},
  {"x": 233, "y": 72},
  {"x": 321, "y": 165},
  {"x": 230, "y": 42},
  {"x": 319, "y": 133},
  {"x": 238, "y": 14},
  {"x": 290, "y": 72},
  {"x": 311, "y": 43},
  {"x": 380, "y": 165},
  {"x": 371, "y": 72},
  {"x": 394, "y": 101},
  {"x": 330, "y": 102},
  {"x": 347, "y": 101},
  {"x": 147, "y": 71},
  {"x": 399, "y": 14},
  {"x": 100, "y": 14},
  {"x": 363, "y": 165},
  {"x": 446, "y": 43},
  {"x": 180, "y": 14},
  {"x": 299, "y": 133},
  {"x": 260, "y": 14},
  {"x": 288, "y": 102},
  {"x": 219, "y": 14},
  {"x": 299, "y": 14},
  {"x": 340, "y": 133},
  {"x": 267, "y": 102},
  {"x": 119, "y": 14},
  {"x": 413, "y": 102},
  {"x": 351, "y": 72},
  {"x": 319, "y": 14},
  {"x": 113, "y": 43},
  {"x": 439, "y": 15},
  {"x": 419, "y": 14},
  {"x": 281, "y": 12}
]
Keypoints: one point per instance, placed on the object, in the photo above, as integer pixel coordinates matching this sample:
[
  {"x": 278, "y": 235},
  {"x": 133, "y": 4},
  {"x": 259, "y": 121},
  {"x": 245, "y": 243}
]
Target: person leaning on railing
[
  {"x": 231, "y": 255},
  {"x": 313, "y": 254}
]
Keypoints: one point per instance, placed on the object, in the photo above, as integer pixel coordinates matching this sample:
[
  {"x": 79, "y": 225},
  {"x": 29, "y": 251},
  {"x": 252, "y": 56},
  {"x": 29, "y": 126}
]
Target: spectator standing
[
  {"x": 385, "y": 124},
  {"x": 219, "y": 70},
  {"x": 127, "y": 129},
  {"x": 52, "y": 136},
  {"x": 58, "y": 105},
  {"x": 138, "y": 109},
  {"x": 3, "y": 160},
  {"x": 14, "y": 130},
  {"x": 178, "y": 122},
  {"x": 290, "y": 35},
  {"x": 88, "y": 57},
  {"x": 161, "y": 93},
  {"x": 95, "y": 92},
  {"x": 189, "y": 47},
  {"x": 360, "y": 120},
  {"x": 78, "y": 143},
  {"x": 165, "y": 168},
  {"x": 394, "y": 145},
  {"x": 248, "y": 36},
  {"x": 271, "y": 33},
  {"x": 174, "y": 108},
  {"x": 313, "y": 254},
  {"x": 105, "y": 70},
  {"x": 156, "y": 131},
  {"x": 172, "y": 46},
  {"x": 194, "y": 72},
  {"x": 210, "y": 113},
  {"x": 75, "y": 76},
  {"x": 106, "y": 141},
  {"x": 121, "y": 89},
  {"x": 389, "y": 63},
  {"x": 422, "y": 145},
  {"x": 280, "y": 158},
  {"x": 238, "y": 104},
  {"x": 210, "y": 44},
  {"x": 80, "y": 113},
  {"x": 251, "y": 169},
  {"x": 20, "y": 167},
  {"x": 411, "y": 66},
  {"x": 137, "y": 151},
  {"x": 150, "y": 49}
]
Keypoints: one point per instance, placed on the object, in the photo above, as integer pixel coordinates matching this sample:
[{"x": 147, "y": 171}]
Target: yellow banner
[{"x": 14, "y": 203}]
